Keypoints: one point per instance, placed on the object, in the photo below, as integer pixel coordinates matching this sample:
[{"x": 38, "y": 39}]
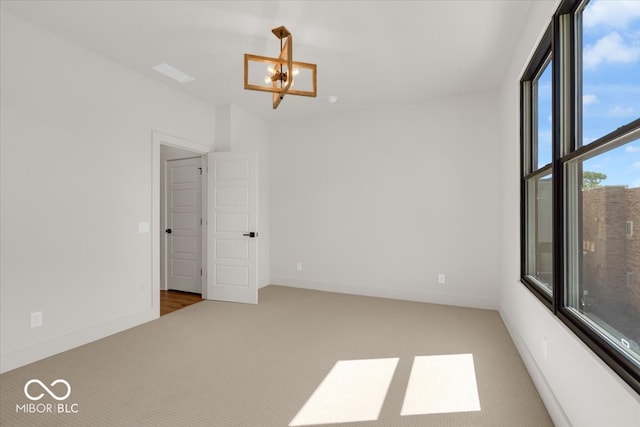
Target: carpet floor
[{"x": 225, "y": 364}]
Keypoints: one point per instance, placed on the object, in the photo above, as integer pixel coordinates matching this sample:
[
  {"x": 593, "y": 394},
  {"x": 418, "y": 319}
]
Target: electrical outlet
[
  {"x": 440, "y": 278},
  {"x": 36, "y": 319},
  {"x": 299, "y": 266}
]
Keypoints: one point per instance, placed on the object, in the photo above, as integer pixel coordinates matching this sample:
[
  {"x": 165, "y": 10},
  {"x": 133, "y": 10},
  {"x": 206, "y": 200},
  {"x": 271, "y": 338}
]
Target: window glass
[
  {"x": 540, "y": 232},
  {"x": 607, "y": 286},
  {"x": 610, "y": 51},
  {"x": 542, "y": 88}
]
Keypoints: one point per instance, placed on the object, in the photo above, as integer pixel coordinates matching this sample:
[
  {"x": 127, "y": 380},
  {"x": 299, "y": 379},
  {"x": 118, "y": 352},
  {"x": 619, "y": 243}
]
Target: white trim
[
  {"x": 32, "y": 353},
  {"x": 551, "y": 403},
  {"x": 157, "y": 139},
  {"x": 399, "y": 294},
  {"x": 205, "y": 221}
]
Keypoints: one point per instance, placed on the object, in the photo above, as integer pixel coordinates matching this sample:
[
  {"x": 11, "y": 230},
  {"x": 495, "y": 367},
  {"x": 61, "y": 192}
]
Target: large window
[
  {"x": 538, "y": 177},
  {"x": 608, "y": 52},
  {"x": 581, "y": 176}
]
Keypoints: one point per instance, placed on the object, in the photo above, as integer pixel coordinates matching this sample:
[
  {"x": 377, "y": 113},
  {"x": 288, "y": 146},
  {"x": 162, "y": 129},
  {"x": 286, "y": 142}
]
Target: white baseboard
[
  {"x": 400, "y": 294},
  {"x": 549, "y": 399},
  {"x": 23, "y": 356}
]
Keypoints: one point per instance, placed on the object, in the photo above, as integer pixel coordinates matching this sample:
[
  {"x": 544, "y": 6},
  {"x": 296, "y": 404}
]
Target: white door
[
  {"x": 232, "y": 267},
  {"x": 184, "y": 225}
]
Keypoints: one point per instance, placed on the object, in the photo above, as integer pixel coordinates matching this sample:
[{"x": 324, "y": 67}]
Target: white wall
[
  {"x": 380, "y": 202},
  {"x": 76, "y": 181},
  {"x": 577, "y": 387}
]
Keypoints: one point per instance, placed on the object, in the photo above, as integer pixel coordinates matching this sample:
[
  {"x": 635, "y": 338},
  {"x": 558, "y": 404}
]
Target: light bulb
[
  {"x": 296, "y": 71},
  {"x": 268, "y": 80},
  {"x": 271, "y": 69}
]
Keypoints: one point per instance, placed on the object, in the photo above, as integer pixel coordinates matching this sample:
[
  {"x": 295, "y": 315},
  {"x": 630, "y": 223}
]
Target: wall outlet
[
  {"x": 440, "y": 278},
  {"x": 36, "y": 319},
  {"x": 299, "y": 266}
]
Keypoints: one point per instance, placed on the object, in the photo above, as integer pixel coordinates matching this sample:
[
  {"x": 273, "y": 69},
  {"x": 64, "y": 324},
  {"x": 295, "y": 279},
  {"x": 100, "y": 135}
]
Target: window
[
  {"x": 537, "y": 183},
  {"x": 608, "y": 68},
  {"x": 542, "y": 137},
  {"x": 597, "y": 281},
  {"x": 581, "y": 195},
  {"x": 540, "y": 234}
]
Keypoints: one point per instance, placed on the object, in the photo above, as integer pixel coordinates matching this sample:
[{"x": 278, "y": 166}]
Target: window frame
[
  {"x": 528, "y": 159},
  {"x": 561, "y": 41}
]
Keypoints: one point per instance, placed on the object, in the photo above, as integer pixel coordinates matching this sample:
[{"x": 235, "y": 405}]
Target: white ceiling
[{"x": 368, "y": 52}]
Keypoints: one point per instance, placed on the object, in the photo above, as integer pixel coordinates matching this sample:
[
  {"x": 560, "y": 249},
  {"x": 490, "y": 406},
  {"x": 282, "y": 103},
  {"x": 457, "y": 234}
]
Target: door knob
[
  {"x": 251, "y": 234},
  {"x": 168, "y": 231}
]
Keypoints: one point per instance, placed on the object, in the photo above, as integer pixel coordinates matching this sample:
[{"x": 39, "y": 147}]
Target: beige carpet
[{"x": 223, "y": 364}]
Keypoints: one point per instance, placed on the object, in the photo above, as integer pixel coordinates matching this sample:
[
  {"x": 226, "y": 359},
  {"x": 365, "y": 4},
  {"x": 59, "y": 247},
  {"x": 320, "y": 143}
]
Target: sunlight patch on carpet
[
  {"x": 441, "y": 384},
  {"x": 354, "y": 390}
]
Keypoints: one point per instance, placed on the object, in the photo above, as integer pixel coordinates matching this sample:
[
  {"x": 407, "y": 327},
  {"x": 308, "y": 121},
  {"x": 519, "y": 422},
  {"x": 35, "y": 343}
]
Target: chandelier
[{"x": 281, "y": 72}]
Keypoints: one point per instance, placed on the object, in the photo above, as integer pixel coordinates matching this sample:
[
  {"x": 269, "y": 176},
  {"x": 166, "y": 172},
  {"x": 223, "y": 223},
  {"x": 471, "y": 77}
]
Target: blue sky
[{"x": 611, "y": 88}]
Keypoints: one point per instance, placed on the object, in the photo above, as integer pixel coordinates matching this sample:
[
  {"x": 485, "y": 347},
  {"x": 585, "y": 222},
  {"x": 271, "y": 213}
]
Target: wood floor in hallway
[{"x": 171, "y": 301}]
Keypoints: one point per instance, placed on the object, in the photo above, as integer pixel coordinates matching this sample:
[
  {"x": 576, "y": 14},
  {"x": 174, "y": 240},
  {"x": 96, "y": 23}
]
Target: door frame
[{"x": 158, "y": 139}]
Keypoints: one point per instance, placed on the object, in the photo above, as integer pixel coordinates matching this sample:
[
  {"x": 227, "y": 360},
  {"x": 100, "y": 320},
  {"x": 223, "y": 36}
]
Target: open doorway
[
  {"x": 179, "y": 246},
  {"x": 231, "y": 274}
]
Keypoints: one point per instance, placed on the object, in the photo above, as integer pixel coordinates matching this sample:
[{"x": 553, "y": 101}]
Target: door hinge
[
  {"x": 200, "y": 171},
  {"x": 200, "y": 221},
  {"x": 201, "y": 272}
]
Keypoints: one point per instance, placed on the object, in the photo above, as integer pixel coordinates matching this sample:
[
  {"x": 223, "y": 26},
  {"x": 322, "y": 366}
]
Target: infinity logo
[{"x": 52, "y": 394}]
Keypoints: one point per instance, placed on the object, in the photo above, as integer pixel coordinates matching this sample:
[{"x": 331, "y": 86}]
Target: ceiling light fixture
[{"x": 281, "y": 71}]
